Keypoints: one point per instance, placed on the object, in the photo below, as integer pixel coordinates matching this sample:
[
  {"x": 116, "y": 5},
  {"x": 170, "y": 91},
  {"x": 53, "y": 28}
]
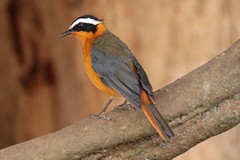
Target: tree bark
[{"x": 200, "y": 105}]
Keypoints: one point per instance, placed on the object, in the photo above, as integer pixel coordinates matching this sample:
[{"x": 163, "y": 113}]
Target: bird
[{"x": 113, "y": 69}]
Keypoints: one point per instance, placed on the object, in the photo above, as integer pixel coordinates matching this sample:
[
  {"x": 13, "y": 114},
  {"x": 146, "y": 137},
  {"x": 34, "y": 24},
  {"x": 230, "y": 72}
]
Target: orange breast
[{"x": 93, "y": 76}]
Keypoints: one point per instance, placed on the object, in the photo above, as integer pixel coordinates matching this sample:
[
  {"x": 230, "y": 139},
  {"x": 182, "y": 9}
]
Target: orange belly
[{"x": 92, "y": 75}]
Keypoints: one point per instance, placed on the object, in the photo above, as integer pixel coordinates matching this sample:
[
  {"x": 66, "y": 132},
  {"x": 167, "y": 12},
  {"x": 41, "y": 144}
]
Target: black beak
[{"x": 66, "y": 33}]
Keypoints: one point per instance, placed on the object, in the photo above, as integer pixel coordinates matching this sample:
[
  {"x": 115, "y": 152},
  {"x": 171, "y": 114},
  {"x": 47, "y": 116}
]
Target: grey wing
[
  {"x": 144, "y": 79},
  {"x": 118, "y": 73}
]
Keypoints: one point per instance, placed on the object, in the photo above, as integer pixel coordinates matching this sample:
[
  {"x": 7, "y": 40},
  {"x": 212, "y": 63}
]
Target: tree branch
[{"x": 202, "y": 104}]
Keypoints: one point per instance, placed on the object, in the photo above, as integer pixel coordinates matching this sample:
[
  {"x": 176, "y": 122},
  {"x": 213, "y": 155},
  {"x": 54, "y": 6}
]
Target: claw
[
  {"x": 100, "y": 115},
  {"x": 124, "y": 105}
]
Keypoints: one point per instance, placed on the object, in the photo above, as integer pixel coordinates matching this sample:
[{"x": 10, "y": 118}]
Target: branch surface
[{"x": 199, "y": 105}]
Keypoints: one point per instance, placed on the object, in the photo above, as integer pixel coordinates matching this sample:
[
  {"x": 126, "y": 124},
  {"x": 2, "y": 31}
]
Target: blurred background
[{"x": 43, "y": 85}]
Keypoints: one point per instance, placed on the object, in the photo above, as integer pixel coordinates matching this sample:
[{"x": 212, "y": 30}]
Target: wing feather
[{"x": 117, "y": 73}]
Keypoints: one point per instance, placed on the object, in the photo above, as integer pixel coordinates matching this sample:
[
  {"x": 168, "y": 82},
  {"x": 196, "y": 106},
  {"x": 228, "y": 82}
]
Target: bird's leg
[
  {"x": 124, "y": 105},
  {"x": 102, "y": 113}
]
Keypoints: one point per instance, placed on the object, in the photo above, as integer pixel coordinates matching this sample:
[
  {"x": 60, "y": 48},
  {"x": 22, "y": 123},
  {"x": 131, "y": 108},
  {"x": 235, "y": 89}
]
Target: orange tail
[{"x": 155, "y": 118}]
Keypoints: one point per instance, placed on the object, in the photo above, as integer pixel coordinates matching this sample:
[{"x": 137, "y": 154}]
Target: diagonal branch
[{"x": 202, "y": 104}]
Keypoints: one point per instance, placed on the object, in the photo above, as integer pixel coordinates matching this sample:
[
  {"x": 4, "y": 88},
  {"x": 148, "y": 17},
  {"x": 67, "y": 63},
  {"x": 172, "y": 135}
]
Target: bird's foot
[
  {"x": 100, "y": 115},
  {"x": 124, "y": 105}
]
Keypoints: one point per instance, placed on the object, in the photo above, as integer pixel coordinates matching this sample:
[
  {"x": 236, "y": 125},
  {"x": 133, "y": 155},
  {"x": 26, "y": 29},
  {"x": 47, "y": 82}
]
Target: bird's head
[{"x": 86, "y": 27}]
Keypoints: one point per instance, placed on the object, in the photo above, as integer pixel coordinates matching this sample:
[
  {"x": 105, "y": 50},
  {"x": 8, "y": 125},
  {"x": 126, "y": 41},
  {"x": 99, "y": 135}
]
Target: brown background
[{"x": 43, "y": 86}]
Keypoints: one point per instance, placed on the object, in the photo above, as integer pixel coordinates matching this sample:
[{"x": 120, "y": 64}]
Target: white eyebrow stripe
[{"x": 84, "y": 20}]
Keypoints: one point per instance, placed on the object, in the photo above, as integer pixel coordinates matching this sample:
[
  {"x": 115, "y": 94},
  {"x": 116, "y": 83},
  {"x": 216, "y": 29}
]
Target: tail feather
[
  {"x": 156, "y": 119},
  {"x": 158, "y": 122}
]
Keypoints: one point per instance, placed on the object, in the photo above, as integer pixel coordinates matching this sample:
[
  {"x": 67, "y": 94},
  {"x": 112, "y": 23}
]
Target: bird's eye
[{"x": 79, "y": 26}]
